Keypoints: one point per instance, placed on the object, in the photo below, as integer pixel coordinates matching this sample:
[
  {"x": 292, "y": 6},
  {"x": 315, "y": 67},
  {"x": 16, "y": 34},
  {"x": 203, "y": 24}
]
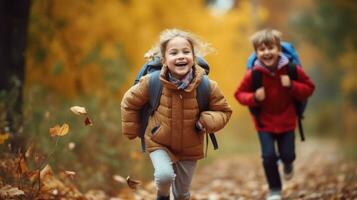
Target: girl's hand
[
  {"x": 260, "y": 94},
  {"x": 199, "y": 127},
  {"x": 285, "y": 81}
]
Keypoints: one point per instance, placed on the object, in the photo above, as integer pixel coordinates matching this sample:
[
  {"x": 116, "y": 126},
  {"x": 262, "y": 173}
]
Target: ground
[{"x": 321, "y": 172}]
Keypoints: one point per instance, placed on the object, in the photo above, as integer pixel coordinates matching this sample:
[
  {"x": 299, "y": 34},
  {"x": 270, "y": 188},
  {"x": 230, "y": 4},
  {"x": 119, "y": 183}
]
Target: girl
[{"x": 175, "y": 132}]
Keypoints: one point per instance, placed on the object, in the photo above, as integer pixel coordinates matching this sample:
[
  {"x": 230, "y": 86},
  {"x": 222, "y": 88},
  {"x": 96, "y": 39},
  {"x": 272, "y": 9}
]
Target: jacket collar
[
  {"x": 283, "y": 61},
  {"x": 198, "y": 73}
]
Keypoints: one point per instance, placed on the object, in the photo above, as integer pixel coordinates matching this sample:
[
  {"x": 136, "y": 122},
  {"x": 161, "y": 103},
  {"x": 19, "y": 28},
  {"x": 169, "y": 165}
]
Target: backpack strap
[
  {"x": 257, "y": 82},
  {"x": 203, "y": 95},
  {"x": 292, "y": 71},
  {"x": 203, "y": 92},
  {"x": 299, "y": 106},
  {"x": 155, "y": 89}
]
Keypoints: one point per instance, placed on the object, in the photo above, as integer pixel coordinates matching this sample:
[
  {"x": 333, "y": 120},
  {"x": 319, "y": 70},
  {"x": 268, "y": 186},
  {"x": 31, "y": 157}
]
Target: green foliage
[{"x": 331, "y": 25}]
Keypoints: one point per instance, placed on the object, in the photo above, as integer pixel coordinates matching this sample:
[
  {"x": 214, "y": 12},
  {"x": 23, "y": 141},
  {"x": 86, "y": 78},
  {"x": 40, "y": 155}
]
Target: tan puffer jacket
[{"x": 172, "y": 126}]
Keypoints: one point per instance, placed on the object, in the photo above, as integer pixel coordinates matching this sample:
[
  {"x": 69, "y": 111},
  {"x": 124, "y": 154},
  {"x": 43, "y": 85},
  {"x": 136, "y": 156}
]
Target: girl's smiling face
[{"x": 179, "y": 57}]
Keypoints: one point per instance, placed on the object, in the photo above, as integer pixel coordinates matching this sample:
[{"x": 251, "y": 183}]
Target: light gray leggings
[{"x": 178, "y": 174}]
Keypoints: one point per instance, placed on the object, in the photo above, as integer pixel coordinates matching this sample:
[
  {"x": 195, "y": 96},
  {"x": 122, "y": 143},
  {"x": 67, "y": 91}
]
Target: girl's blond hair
[
  {"x": 199, "y": 47},
  {"x": 267, "y": 37}
]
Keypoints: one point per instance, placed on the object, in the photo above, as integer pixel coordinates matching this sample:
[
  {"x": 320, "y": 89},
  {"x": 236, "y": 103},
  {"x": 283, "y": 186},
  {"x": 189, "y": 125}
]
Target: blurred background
[{"x": 55, "y": 54}]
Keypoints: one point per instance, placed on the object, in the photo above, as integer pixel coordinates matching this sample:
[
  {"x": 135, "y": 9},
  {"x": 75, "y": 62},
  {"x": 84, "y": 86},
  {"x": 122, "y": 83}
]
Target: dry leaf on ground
[
  {"x": 9, "y": 191},
  {"x": 133, "y": 184},
  {"x": 46, "y": 171},
  {"x": 70, "y": 174},
  {"x": 29, "y": 151},
  {"x": 32, "y": 175}
]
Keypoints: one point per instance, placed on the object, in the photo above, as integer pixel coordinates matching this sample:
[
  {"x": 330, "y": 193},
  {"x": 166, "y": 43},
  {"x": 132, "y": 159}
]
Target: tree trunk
[{"x": 14, "y": 17}]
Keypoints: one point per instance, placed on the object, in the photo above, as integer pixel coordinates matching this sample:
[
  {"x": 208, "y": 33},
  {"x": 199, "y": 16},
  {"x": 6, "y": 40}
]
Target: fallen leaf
[
  {"x": 70, "y": 174},
  {"x": 46, "y": 171},
  {"x": 9, "y": 191},
  {"x": 4, "y": 137},
  {"x": 96, "y": 195},
  {"x": 133, "y": 184},
  {"x": 119, "y": 178},
  {"x": 22, "y": 165},
  {"x": 59, "y": 130},
  {"x": 78, "y": 110},
  {"x": 88, "y": 122},
  {"x": 32, "y": 175},
  {"x": 29, "y": 151}
]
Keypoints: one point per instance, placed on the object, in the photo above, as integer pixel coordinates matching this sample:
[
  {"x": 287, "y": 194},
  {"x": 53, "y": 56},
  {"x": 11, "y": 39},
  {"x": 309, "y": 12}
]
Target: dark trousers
[{"x": 286, "y": 153}]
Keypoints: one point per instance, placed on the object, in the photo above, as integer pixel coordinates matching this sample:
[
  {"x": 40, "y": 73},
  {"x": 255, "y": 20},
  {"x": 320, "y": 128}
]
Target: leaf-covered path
[{"x": 320, "y": 173}]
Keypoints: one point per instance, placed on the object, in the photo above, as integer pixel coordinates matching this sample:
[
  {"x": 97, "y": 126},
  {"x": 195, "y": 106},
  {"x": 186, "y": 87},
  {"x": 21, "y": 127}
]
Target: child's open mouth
[
  {"x": 181, "y": 64},
  {"x": 267, "y": 57}
]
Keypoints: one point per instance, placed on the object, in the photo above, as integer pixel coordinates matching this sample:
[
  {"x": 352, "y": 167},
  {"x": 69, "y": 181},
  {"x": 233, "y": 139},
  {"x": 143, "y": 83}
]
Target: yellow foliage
[
  {"x": 349, "y": 81},
  {"x": 4, "y": 137},
  {"x": 70, "y": 40}
]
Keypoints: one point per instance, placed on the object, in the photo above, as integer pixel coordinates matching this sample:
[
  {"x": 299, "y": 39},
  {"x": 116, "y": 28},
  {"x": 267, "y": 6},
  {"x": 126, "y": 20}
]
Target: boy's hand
[
  {"x": 285, "y": 81},
  {"x": 260, "y": 94}
]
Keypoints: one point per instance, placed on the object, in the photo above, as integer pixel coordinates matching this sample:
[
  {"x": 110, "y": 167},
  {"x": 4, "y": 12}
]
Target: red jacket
[{"x": 277, "y": 109}]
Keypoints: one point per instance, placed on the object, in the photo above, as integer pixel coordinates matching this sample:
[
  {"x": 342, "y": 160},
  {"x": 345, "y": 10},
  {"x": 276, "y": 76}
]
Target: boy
[{"x": 277, "y": 117}]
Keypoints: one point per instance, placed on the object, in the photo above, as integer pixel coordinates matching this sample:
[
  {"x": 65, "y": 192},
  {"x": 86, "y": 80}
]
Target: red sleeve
[
  {"x": 244, "y": 93},
  {"x": 303, "y": 87}
]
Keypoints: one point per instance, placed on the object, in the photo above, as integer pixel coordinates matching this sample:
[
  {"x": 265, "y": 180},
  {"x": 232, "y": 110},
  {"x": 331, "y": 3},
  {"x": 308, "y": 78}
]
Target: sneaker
[
  {"x": 274, "y": 195},
  {"x": 288, "y": 171}
]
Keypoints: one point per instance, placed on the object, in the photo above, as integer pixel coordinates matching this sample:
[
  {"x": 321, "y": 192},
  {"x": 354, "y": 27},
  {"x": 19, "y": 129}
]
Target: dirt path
[{"x": 320, "y": 173}]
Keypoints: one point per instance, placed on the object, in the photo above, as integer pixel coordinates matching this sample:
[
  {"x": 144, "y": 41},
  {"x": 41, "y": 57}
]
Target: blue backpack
[
  {"x": 294, "y": 61},
  {"x": 155, "y": 88}
]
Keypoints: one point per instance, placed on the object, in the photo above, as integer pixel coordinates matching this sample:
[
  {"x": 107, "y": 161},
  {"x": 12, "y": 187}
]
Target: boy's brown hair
[{"x": 267, "y": 37}]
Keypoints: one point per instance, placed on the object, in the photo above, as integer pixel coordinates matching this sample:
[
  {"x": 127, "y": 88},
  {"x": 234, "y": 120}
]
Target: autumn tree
[{"x": 13, "y": 32}]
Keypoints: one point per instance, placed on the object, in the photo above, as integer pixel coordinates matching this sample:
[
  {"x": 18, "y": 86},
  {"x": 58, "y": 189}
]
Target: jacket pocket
[
  {"x": 160, "y": 135},
  {"x": 155, "y": 129}
]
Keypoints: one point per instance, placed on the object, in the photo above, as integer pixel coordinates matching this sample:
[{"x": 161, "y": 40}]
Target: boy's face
[
  {"x": 268, "y": 55},
  {"x": 179, "y": 57}
]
